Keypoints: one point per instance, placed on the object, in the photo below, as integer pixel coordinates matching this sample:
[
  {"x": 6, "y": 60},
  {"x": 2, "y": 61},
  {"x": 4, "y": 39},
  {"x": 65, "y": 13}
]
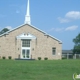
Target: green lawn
[{"x": 38, "y": 70}]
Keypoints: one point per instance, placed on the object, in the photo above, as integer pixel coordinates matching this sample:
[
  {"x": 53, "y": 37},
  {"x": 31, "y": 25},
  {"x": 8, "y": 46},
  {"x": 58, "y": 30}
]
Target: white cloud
[
  {"x": 73, "y": 15},
  {"x": 56, "y": 29},
  {"x": 59, "y": 29},
  {"x": 70, "y": 16},
  {"x": 63, "y": 20},
  {"x": 9, "y": 27},
  {"x": 71, "y": 28},
  {"x": 62, "y": 29}
]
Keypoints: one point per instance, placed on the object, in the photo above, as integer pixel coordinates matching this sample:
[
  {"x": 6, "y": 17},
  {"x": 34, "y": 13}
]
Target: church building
[{"x": 28, "y": 42}]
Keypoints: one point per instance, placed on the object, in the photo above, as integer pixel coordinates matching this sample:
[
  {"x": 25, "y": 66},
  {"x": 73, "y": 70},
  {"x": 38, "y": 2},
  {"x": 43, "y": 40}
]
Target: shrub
[
  {"x": 64, "y": 58},
  {"x": 45, "y": 58},
  {"x": 9, "y": 57},
  {"x": 39, "y": 58},
  {"x": 3, "y": 57}
]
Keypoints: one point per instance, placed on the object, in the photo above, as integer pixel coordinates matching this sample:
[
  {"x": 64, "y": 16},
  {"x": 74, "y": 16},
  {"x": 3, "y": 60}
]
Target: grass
[{"x": 38, "y": 70}]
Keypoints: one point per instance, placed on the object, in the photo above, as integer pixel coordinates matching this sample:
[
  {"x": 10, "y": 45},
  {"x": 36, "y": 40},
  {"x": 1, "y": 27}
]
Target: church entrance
[
  {"x": 26, "y": 45},
  {"x": 26, "y": 49},
  {"x": 26, "y": 53}
]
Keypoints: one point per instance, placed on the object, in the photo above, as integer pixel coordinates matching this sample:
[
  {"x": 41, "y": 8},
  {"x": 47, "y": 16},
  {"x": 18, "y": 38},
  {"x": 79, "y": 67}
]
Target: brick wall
[{"x": 40, "y": 47}]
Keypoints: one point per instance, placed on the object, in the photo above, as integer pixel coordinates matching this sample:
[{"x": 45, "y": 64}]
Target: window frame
[
  {"x": 25, "y": 42},
  {"x": 54, "y": 51}
]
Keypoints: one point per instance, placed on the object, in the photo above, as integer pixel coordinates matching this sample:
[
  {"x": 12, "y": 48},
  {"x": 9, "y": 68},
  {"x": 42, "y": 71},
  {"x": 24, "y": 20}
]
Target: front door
[{"x": 26, "y": 53}]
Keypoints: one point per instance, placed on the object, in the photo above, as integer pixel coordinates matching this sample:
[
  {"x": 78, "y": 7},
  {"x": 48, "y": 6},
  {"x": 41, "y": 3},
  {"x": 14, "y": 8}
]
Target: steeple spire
[{"x": 27, "y": 16}]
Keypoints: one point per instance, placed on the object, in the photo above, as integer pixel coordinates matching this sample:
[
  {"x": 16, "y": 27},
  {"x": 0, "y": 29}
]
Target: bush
[
  {"x": 64, "y": 58},
  {"x": 9, "y": 57},
  {"x": 45, "y": 58},
  {"x": 3, "y": 57},
  {"x": 39, "y": 58}
]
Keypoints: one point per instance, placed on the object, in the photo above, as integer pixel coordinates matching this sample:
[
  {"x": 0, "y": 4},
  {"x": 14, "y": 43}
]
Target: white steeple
[{"x": 27, "y": 16}]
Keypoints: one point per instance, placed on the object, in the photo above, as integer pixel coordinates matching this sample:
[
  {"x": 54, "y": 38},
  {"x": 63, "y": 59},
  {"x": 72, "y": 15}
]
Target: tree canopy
[
  {"x": 76, "y": 49},
  {"x": 4, "y": 30}
]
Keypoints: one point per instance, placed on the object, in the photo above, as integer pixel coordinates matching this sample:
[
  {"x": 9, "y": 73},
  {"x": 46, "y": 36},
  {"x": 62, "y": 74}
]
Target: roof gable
[{"x": 34, "y": 28}]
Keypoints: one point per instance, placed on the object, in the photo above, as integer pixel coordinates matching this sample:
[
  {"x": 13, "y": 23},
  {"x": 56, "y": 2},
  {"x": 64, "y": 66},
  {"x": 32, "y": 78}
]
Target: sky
[{"x": 59, "y": 18}]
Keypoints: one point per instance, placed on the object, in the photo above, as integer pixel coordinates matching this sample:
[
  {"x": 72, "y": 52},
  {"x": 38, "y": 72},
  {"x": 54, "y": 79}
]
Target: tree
[
  {"x": 4, "y": 30},
  {"x": 76, "y": 49}
]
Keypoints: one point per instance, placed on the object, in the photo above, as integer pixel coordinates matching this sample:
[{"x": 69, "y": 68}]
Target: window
[
  {"x": 25, "y": 43},
  {"x": 23, "y": 53},
  {"x": 53, "y": 51}
]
